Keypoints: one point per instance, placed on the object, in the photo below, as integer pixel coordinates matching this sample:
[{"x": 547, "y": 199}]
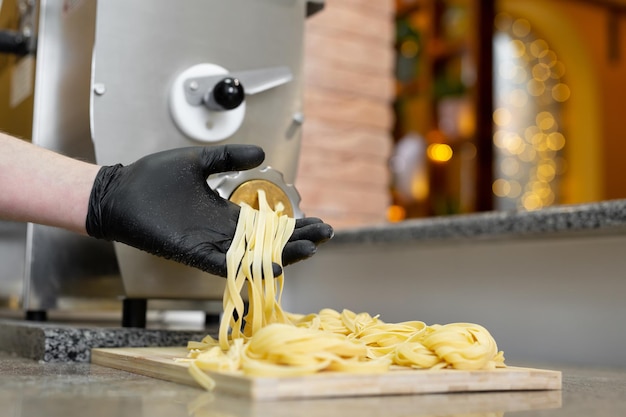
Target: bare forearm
[{"x": 40, "y": 186}]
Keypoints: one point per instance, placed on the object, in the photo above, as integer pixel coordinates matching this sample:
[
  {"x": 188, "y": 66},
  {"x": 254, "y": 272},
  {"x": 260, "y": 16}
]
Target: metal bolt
[
  {"x": 298, "y": 117},
  {"x": 99, "y": 89}
]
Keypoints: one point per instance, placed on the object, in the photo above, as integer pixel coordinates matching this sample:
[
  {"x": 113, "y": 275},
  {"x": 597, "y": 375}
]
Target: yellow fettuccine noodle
[{"x": 270, "y": 342}]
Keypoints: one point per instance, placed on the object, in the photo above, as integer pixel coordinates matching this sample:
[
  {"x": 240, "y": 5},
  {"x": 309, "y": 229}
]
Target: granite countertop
[
  {"x": 606, "y": 217},
  {"x": 58, "y": 342},
  {"x": 34, "y": 388}
]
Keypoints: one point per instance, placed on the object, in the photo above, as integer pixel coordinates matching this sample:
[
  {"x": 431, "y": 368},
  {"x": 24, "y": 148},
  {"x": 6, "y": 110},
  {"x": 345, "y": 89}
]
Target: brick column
[{"x": 349, "y": 87}]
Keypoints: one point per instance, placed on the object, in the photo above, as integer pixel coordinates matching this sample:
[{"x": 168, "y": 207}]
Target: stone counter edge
[{"x": 604, "y": 217}]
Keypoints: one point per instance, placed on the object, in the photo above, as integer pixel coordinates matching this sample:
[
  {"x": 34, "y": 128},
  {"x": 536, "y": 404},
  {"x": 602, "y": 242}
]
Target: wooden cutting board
[{"x": 159, "y": 363}]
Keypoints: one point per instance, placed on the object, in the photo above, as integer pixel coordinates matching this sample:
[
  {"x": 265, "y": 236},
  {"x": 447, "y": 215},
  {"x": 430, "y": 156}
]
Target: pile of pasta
[{"x": 267, "y": 341}]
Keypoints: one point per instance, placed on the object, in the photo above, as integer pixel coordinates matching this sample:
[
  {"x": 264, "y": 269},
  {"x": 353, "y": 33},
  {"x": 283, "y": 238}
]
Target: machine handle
[
  {"x": 259, "y": 80},
  {"x": 199, "y": 90},
  {"x": 13, "y": 42},
  {"x": 227, "y": 94}
]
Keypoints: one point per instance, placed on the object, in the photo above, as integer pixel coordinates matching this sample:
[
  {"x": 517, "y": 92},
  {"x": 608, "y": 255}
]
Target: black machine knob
[
  {"x": 227, "y": 94},
  {"x": 14, "y": 42}
]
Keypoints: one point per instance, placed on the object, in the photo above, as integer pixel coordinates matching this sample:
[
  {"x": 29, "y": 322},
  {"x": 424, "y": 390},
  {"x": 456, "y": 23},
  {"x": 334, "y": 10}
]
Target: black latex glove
[{"x": 163, "y": 205}]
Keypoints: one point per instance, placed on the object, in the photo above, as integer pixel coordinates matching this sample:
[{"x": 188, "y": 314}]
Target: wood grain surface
[{"x": 159, "y": 363}]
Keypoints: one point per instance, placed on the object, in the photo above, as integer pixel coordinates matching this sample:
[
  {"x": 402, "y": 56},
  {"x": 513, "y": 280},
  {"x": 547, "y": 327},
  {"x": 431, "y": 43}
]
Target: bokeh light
[
  {"x": 439, "y": 152},
  {"x": 528, "y": 139}
]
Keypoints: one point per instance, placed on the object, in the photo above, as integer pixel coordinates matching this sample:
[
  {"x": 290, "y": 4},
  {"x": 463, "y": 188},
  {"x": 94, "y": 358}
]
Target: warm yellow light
[
  {"x": 530, "y": 132},
  {"x": 539, "y": 141},
  {"x": 396, "y": 213},
  {"x": 539, "y": 187},
  {"x": 531, "y": 201},
  {"x": 521, "y": 28},
  {"x": 439, "y": 152},
  {"x": 535, "y": 87},
  {"x": 529, "y": 151},
  {"x": 509, "y": 141},
  {"x": 549, "y": 199},
  {"x": 527, "y": 154},
  {"x": 505, "y": 188},
  {"x": 538, "y": 48},
  {"x": 466, "y": 122},
  {"x": 502, "y": 116},
  {"x": 518, "y": 48},
  {"x": 561, "y": 92},
  {"x": 548, "y": 58},
  {"x": 420, "y": 187},
  {"x": 541, "y": 72},
  {"x": 499, "y": 138},
  {"x": 555, "y": 141},
  {"x": 503, "y": 21},
  {"x": 545, "y": 120},
  {"x": 501, "y": 187},
  {"x": 546, "y": 172}
]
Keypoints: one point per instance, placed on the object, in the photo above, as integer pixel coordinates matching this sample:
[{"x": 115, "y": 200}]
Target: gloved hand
[{"x": 163, "y": 205}]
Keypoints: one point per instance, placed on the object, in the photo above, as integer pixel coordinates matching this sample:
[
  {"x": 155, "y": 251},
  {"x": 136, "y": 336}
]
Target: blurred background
[{"x": 419, "y": 108}]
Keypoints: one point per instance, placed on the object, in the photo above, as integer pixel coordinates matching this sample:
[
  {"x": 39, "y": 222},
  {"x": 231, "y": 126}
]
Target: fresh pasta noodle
[
  {"x": 463, "y": 346},
  {"x": 270, "y": 342}
]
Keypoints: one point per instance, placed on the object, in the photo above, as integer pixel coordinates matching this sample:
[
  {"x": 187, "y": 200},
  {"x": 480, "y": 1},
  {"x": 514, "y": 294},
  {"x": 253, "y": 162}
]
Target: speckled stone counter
[
  {"x": 66, "y": 343},
  {"x": 607, "y": 217}
]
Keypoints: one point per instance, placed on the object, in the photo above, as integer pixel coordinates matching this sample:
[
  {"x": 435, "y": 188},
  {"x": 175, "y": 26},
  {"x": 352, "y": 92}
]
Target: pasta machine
[{"x": 111, "y": 81}]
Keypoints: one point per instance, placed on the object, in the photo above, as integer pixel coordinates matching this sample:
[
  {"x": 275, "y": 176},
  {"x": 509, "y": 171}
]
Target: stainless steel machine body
[{"x": 115, "y": 80}]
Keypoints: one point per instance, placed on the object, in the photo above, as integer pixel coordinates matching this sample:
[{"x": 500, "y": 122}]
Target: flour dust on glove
[{"x": 163, "y": 205}]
